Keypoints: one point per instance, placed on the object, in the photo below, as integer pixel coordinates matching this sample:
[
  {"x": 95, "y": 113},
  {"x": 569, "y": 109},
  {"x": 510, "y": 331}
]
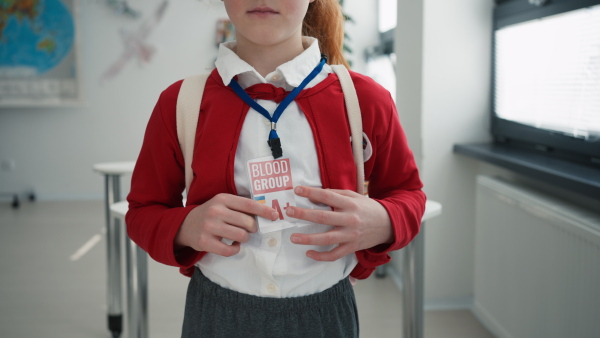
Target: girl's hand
[
  {"x": 360, "y": 222},
  {"x": 224, "y": 216}
]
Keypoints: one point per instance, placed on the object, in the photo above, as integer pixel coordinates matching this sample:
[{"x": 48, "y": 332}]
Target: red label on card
[{"x": 270, "y": 176}]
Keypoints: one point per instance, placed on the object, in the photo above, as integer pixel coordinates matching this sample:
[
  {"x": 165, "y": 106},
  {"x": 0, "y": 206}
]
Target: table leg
[
  {"x": 412, "y": 293},
  {"x": 381, "y": 271},
  {"x": 113, "y": 249},
  {"x": 137, "y": 290}
]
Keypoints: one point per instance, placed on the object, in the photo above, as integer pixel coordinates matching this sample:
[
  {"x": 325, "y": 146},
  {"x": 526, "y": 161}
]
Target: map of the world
[{"x": 37, "y": 58}]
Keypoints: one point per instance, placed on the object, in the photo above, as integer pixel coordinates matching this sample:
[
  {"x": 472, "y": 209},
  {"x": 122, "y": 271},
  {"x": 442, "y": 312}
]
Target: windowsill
[{"x": 571, "y": 176}]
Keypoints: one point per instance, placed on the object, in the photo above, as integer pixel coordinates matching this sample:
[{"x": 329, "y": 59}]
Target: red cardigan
[{"x": 155, "y": 207}]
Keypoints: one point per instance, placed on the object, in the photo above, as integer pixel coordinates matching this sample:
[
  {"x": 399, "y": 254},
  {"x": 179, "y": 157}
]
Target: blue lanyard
[{"x": 274, "y": 141}]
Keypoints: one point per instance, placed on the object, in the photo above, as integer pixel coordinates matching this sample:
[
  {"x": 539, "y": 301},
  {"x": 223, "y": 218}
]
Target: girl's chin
[{"x": 267, "y": 39}]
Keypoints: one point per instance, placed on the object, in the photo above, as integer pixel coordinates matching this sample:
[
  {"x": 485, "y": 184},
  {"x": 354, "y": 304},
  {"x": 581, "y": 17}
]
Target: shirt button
[
  {"x": 272, "y": 288},
  {"x": 272, "y": 242},
  {"x": 276, "y": 77}
]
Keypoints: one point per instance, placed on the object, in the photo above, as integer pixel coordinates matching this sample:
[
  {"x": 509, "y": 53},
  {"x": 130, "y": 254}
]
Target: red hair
[{"x": 324, "y": 20}]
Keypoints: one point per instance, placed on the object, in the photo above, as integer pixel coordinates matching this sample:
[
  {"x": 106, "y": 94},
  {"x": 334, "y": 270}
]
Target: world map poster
[{"x": 38, "y": 54}]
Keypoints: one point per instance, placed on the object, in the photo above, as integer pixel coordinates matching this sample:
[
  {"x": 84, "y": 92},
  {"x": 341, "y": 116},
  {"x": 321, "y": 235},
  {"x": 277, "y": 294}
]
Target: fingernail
[
  {"x": 274, "y": 215},
  {"x": 290, "y": 211},
  {"x": 296, "y": 239},
  {"x": 299, "y": 190}
]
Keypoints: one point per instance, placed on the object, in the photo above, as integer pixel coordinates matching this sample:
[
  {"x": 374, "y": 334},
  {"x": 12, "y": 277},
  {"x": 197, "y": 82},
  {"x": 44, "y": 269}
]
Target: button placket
[
  {"x": 272, "y": 241},
  {"x": 272, "y": 288},
  {"x": 274, "y": 77}
]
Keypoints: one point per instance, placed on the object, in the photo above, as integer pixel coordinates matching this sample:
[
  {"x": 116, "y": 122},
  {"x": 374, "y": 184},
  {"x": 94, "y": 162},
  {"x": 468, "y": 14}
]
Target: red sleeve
[
  {"x": 155, "y": 201},
  {"x": 394, "y": 182}
]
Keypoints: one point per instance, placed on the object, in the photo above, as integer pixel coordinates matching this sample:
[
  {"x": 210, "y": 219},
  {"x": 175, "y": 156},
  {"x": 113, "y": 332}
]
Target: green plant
[{"x": 347, "y": 38}]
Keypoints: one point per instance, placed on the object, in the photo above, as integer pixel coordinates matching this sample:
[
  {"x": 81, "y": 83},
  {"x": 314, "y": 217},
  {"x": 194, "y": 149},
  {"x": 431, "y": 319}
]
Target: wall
[
  {"x": 444, "y": 99},
  {"x": 55, "y": 148},
  {"x": 363, "y": 31},
  {"x": 457, "y": 41},
  {"x": 443, "y": 74}
]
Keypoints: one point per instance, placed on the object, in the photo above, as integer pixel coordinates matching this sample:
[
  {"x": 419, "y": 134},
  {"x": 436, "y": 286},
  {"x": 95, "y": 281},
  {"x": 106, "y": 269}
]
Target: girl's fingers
[
  {"x": 240, "y": 220},
  {"x": 325, "y": 196},
  {"x": 233, "y": 233},
  {"x": 332, "y": 255},
  {"x": 217, "y": 247},
  {"x": 318, "y": 216},
  {"x": 246, "y": 205},
  {"x": 326, "y": 238},
  {"x": 348, "y": 193}
]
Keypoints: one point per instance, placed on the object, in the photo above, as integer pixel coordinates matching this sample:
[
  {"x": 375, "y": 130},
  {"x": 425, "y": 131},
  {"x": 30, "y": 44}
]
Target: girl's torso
[{"x": 269, "y": 264}]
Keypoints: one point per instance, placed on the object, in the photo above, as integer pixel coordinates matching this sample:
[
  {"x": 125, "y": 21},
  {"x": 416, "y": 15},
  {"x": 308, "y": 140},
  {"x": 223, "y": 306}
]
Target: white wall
[
  {"x": 443, "y": 74},
  {"x": 446, "y": 101},
  {"x": 55, "y": 148},
  {"x": 456, "y": 87},
  {"x": 443, "y": 97},
  {"x": 363, "y": 31}
]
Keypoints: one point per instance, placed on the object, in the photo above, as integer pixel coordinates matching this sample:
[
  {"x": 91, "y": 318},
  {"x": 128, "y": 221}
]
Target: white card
[{"x": 271, "y": 184}]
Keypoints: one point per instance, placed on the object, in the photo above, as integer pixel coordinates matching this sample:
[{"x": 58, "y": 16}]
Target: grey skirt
[{"x": 212, "y": 311}]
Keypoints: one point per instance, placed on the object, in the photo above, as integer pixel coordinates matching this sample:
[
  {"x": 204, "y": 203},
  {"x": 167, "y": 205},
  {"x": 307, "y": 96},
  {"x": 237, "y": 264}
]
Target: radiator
[{"x": 537, "y": 264}]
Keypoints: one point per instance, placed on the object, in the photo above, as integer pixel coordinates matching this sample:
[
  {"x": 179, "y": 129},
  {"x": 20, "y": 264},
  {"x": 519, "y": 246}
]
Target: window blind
[{"x": 548, "y": 73}]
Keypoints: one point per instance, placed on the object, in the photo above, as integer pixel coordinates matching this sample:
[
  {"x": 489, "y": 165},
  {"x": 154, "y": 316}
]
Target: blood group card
[{"x": 271, "y": 181}]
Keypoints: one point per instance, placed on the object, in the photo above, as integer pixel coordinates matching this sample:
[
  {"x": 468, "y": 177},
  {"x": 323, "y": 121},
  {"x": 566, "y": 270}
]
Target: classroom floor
[{"x": 45, "y": 293}]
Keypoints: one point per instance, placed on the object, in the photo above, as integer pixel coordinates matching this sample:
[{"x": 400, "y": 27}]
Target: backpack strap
[
  {"x": 188, "y": 110},
  {"x": 355, "y": 120}
]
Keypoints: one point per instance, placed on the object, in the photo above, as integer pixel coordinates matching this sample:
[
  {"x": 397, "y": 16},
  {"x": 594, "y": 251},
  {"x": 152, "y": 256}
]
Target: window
[
  {"x": 387, "y": 15},
  {"x": 381, "y": 60},
  {"x": 546, "y": 77}
]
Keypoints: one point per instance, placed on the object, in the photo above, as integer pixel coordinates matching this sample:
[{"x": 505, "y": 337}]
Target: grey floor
[{"x": 45, "y": 293}]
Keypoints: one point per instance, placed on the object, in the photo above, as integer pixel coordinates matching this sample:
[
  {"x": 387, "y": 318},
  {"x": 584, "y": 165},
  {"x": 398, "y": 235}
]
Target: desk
[
  {"x": 412, "y": 275},
  {"x": 112, "y": 172},
  {"x": 136, "y": 265}
]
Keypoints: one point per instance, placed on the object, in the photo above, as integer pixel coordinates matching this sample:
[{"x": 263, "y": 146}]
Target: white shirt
[{"x": 270, "y": 265}]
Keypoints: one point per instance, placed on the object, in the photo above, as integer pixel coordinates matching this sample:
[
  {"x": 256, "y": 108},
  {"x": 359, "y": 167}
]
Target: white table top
[
  {"x": 432, "y": 209},
  {"x": 119, "y": 209},
  {"x": 114, "y": 168}
]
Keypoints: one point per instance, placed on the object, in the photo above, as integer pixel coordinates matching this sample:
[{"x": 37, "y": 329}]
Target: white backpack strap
[
  {"x": 355, "y": 120},
  {"x": 188, "y": 110}
]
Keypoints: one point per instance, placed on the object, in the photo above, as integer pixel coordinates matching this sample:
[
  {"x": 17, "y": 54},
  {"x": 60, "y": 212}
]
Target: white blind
[{"x": 548, "y": 73}]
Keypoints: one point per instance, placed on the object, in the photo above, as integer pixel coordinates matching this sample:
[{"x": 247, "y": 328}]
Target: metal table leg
[
  {"x": 412, "y": 293},
  {"x": 113, "y": 249},
  {"x": 381, "y": 271},
  {"x": 137, "y": 290}
]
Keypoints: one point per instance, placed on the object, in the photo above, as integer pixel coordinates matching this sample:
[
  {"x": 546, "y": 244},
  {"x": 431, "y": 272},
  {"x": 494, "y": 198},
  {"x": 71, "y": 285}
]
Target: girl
[{"x": 294, "y": 282}]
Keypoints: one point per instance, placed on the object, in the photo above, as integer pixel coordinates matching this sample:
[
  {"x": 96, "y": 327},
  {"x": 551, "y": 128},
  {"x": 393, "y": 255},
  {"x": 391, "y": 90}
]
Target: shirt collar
[{"x": 291, "y": 73}]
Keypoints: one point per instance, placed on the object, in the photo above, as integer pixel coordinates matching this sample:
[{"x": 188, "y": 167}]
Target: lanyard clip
[{"x": 275, "y": 145}]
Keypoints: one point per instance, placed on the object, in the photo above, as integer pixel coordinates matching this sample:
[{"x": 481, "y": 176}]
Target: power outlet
[{"x": 8, "y": 165}]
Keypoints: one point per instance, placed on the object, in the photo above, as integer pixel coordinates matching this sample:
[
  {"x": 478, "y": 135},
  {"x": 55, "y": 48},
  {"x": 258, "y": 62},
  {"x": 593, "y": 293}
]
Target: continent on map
[
  {"x": 47, "y": 45},
  {"x": 20, "y": 9}
]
